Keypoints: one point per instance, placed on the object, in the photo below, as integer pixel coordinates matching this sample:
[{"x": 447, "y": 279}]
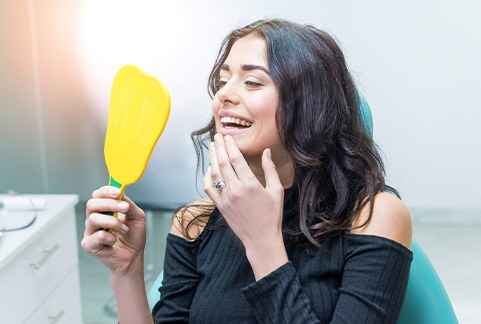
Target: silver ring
[{"x": 220, "y": 185}]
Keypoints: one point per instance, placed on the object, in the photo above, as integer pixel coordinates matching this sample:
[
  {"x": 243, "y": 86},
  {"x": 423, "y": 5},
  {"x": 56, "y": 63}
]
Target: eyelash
[{"x": 253, "y": 84}]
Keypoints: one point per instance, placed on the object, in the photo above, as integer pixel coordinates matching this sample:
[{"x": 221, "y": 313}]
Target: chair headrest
[{"x": 366, "y": 115}]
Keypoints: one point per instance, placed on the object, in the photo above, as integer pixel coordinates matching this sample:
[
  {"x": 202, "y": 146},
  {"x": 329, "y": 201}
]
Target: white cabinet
[{"x": 39, "y": 280}]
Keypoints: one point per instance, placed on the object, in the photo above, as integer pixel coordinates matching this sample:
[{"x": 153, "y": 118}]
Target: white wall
[
  {"x": 419, "y": 64},
  {"x": 416, "y": 62},
  {"x": 49, "y": 143},
  {"x": 178, "y": 43}
]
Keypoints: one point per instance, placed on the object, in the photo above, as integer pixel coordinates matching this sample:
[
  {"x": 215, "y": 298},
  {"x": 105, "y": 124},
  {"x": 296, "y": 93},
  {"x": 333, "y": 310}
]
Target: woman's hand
[
  {"x": 118, "y": 242},
  {"x": 253, "y": 212}
]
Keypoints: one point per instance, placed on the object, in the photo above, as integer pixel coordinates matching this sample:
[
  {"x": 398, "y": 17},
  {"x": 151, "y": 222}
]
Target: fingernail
[
  {"x": 122, "y": 206},
  {"x": 114, "y": 192},
  {"x": 268, "y": 153},
  {"x": 217, "y": 137}
]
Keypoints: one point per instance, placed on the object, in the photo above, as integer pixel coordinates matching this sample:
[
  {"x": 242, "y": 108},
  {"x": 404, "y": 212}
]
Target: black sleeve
[
  {"x": 179, "y": 283},
  {"x": 374, "y": 281},
  {"x": 372, "y": 290},
  {"x": 278, "y": 298}
]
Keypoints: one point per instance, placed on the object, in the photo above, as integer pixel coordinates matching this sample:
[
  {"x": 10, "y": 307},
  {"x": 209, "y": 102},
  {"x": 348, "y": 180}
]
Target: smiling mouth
[{"x": 231, "y": 122}]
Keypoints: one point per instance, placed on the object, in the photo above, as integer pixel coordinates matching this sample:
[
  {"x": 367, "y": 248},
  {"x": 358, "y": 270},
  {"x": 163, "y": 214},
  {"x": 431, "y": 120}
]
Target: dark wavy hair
[{"x": 338, "y": 168}]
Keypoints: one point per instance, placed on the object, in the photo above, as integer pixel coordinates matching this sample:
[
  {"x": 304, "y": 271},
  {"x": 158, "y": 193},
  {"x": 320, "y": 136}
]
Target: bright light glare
[{"x": 116, "y": 33}]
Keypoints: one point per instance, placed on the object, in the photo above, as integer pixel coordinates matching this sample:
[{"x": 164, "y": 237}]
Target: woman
[{"x": 298, "y": 226}]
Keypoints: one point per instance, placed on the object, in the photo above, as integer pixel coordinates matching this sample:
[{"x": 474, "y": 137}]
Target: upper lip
[{"x": 233, "y": 115}]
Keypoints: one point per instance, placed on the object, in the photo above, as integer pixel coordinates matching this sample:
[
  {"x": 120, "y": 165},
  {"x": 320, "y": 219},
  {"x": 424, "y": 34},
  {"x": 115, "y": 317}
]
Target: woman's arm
[
  {"x": 130, "y": 294},
  {"x": 390, "y": 219},
  {"x": 374, "y": 277},
  {"x": 251, "y": 204},
  {"x": 119, "y": 243},
  {"x": 180, "y": 278}
]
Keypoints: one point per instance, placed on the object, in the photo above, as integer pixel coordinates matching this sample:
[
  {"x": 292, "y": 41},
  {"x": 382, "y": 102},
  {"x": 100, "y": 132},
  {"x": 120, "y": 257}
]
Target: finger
[
  {"x": 237, "y": 160},
  {"x": 97, "y": 241},
  {"x": 270, "y": 171},
  {"x": 208, "y": 186},
  {"x": 223, "y": 160},
  {"x": 96, "y": 221},
  {"x": 214, "y": 169},
  {"x": 107, "y": 192},
  {"x": 121, "y": 217},
  {"x": 213, "y": 174},
  {"x": 133, "y": 211},
  {"x": 102, "y": 205}
]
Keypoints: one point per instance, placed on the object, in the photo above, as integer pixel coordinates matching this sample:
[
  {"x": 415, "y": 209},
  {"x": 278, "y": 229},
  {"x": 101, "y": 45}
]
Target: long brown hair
[{"x": 338, "y": 168}]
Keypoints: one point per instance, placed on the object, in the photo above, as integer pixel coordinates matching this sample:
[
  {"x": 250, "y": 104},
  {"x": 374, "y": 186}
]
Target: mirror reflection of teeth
[{"x": 235, "y": 121}]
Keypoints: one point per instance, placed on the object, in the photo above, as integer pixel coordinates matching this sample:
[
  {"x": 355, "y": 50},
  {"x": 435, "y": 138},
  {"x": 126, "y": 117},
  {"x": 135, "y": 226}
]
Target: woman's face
[{"x": 246, "y": 103}]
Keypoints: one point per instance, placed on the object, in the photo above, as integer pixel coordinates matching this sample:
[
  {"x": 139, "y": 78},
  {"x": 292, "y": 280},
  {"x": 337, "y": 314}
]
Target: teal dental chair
[{"x": 426, "y": 300}]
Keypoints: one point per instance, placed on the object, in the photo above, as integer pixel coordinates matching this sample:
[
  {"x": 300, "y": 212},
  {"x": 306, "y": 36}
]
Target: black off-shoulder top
[{"x": 351, "y": 279}]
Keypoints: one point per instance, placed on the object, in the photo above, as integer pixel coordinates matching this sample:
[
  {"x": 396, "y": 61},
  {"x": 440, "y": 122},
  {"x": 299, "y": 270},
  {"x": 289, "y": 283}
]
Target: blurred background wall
[{"x": 417, "y": 64}]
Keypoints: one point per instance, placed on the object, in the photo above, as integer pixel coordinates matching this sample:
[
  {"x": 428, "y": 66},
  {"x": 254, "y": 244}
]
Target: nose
[{"x": 229, "y": 93}]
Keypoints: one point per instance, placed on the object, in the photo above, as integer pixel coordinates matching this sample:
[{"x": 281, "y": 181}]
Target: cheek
[
  {"x": 215, "y": 111},
  {"x": 270, "y": 128},
  {"x": 215, "y": 105},
  {"x": 266, "y": 105},
  {"x": 268, "y": 116}
]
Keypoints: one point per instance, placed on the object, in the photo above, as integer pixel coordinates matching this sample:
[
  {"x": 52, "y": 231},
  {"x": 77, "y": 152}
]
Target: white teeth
[{"x": 237, "y": 121}]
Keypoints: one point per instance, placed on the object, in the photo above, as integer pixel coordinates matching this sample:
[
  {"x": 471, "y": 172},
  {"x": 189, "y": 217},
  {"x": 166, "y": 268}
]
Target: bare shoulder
[
  {"x": 190, "y": 220},
  {"x": 390, "y": 219}
]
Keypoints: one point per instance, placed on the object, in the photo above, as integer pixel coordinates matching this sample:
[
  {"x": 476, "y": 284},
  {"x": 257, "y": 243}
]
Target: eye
[
  {"x": 222, "y": 82},
  {"x": 252, "y": 84}
]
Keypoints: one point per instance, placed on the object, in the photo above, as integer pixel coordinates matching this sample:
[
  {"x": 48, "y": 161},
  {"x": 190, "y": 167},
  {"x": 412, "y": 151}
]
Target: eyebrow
[{"x": 246, "y": 67}]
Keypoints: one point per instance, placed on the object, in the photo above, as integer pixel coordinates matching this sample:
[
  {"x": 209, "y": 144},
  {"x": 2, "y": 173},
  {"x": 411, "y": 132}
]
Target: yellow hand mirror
[{"x": 139, "y": 109}]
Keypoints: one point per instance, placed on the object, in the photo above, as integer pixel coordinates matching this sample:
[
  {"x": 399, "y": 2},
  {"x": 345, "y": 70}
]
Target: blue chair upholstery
[
  {"x": 366, "y": 115},
  {"x": 153, "y": 294},
  {"x": 426, "y": 300}
]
